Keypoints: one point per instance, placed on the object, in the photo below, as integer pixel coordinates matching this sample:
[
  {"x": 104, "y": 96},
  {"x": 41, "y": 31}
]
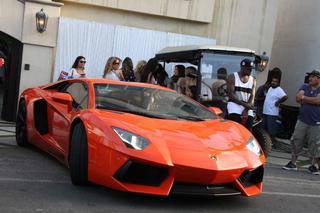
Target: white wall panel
[{"x": 97, "y": 42}]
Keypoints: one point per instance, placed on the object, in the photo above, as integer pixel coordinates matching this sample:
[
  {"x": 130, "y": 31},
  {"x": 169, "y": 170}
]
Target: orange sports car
[{"x": 139, "y": 138}]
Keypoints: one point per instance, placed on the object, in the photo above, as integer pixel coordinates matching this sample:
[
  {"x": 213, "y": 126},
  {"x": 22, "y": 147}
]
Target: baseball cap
[
  {"x": 247, "y": 63},
  {"x": 315, "y": 73}
]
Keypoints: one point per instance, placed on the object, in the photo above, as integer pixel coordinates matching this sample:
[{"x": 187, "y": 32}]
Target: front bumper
[{"x": 140, "y": 177}]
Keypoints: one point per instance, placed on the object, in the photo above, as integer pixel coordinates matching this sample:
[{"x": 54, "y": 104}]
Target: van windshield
[{"x": 219, "y": 66}]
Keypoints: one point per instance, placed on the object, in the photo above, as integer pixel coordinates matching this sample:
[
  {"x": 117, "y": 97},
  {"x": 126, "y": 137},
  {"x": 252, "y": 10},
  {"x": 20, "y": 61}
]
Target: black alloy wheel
[
  {"x": 21, "y": 124},
  {"x": 263, "y": 138},
  {"x": 79, "y": 155}
]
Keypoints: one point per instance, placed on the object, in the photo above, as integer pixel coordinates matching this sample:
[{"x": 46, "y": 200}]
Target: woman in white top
[
  {"x": 112, "y": 71},
  {"x": 77, "y": 70}
]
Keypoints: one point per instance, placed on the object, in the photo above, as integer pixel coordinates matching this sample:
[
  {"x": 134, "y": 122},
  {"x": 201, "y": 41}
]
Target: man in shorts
[{"x": 308, "y": 124}]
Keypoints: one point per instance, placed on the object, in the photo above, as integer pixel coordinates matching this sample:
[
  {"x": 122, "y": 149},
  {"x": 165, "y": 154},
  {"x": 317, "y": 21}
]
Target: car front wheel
[
  {"x": 79, "y": 156},
  {"x": 21, "y": 124}
]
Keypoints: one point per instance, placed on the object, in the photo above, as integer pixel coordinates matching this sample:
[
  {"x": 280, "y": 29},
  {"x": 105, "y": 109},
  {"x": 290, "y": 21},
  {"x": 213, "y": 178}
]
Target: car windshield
[{"x": 149, "y": 102}]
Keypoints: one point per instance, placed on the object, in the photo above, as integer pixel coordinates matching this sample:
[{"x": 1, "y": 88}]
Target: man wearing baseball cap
[
  {"x": 308, "y": 124},
  {"x": 241, "y": 89}
]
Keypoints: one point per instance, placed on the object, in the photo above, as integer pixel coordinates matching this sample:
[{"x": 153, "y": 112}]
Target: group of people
[
  {"x": 183, "y": 80},
  {"x": 111, "y": 71},
  {"x": 241, "y": 91}
]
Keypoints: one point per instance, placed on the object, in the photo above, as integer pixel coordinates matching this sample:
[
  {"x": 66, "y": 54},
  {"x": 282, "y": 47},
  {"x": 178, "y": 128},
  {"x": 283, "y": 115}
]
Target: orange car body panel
[{"x": 206, "y": 152}]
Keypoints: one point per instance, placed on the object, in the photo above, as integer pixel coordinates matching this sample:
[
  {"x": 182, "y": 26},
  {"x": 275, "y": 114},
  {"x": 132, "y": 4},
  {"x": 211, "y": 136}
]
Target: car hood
[{"x": 184, "y": 142}]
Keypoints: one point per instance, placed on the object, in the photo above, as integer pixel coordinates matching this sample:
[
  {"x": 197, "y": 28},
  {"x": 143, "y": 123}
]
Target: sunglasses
[
  {"x": 83, "y": 62},
  {"x": 116, "y": 63}
]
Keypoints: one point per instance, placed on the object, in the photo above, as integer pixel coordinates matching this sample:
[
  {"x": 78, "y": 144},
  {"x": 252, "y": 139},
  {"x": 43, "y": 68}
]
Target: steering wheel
[{"x": 222, "y": 90}]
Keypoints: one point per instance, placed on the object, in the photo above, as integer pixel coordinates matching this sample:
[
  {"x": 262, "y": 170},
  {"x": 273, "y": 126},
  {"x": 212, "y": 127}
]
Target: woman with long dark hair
[
  {"x": 127, "y": 69},
  {"x": 179, "y": 72},
  {"x": 147, "y": 74},
  {"x": 78, "y": 70}
]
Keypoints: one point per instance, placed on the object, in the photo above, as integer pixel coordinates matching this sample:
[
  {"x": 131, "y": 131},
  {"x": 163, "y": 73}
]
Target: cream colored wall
[
  {"x": 246, "y": 23},
  {"x": 195, "y": 10},
  {"x": 296, "y": 47},
  {"x": 30, "y": 35},
  {"x": 11, "y": 18},
  {"x": 38, "y": 48},
  {"x": 40, "y": 59},
  {"x": 132, "y": 19}
]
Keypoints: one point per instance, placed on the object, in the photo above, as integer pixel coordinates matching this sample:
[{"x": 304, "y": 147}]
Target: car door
[{"x": 61, "y": 117}]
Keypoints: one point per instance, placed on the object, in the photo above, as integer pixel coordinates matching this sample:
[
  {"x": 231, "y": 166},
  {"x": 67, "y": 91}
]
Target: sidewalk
[
  {"x": 281, "y": 158},
  {"x": 7, "y": 129},
  {"x": 281, "y": 154}
]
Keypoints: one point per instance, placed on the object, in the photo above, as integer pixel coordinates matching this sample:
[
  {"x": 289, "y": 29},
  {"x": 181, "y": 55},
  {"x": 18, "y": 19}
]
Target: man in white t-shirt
[{"x": 274, "y": 97}]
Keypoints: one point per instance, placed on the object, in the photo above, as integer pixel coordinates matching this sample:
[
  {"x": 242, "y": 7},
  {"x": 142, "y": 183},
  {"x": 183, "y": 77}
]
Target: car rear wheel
[
  {"x": 263, "y": 138},
  {"x": 21, "y": 124},
  {"x": 79, "y": 156}
]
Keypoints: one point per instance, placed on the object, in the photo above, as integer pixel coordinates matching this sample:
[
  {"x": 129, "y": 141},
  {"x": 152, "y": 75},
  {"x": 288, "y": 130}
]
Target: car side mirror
[
  {"x": 216, "y": 110},
  {"x": 63, "y": 98}
]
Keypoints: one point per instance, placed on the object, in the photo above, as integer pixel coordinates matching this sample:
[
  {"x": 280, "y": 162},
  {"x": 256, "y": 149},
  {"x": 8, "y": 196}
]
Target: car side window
[{"x": 79, "y": 93}]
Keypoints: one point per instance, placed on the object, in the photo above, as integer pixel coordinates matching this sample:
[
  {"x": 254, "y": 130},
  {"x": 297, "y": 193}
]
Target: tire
[
  {"x": 21, "y": 124},
  {"x": 79, "y": 156},
  {"x": 263, "y": 138}
]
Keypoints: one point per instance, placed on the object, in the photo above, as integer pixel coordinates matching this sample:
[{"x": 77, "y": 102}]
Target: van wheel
[
  {"x": 21, "y": 124},
  {"x": 79, "y": 156},
  {"x": 263, "y": 138}
]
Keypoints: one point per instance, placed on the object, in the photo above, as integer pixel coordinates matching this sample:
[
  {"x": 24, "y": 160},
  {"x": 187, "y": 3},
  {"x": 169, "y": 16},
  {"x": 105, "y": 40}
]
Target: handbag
[{"x": 63, "y": 75}]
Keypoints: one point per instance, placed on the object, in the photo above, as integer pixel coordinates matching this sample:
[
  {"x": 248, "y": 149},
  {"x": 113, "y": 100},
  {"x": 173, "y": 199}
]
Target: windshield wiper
[{"x": 191, "y": 118}]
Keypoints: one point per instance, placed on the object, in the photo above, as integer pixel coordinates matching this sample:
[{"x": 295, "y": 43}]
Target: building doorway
[{"x": 11, "y": 53}]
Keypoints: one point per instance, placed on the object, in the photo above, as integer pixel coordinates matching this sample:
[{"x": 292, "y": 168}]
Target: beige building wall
[
  {"x": 30, "y": 35},
  {"x": 11, "y": 18},
  {"x": 199, "y": 10},
  {"x": 246, "y": 23},
  {"x": 38, "y": 48},
  {"x": 40, "y": 59},
  {"x": 296, "y": 47}
]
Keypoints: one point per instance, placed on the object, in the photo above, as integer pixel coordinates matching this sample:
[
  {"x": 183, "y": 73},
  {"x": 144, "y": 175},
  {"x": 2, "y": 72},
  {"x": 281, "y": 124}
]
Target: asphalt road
[{"x": 31, "y": 181}]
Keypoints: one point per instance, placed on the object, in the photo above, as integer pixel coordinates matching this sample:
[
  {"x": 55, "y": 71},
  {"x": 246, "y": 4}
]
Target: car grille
[
  {"x": 252, "y": 177},
  {"x": 141, "y": 174},
  {"x": 212, "y": 190}
]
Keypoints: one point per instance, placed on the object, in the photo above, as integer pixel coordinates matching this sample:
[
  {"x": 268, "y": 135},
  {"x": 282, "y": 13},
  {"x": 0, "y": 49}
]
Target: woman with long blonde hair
[{"x": 111, "y": 69}]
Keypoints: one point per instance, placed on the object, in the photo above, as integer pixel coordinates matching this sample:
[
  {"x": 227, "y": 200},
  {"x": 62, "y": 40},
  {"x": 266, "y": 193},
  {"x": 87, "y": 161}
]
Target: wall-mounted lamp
[
  {"x": 41, "y": 21},
  {"x": 261, "y": 62}
]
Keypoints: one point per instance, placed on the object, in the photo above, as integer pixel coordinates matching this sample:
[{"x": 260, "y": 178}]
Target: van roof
[{"x": 204, "y": 47}]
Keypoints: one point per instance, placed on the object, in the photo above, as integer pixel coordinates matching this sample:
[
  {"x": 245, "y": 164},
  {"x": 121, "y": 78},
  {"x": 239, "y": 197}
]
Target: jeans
[{"x": 270, "y": 124}]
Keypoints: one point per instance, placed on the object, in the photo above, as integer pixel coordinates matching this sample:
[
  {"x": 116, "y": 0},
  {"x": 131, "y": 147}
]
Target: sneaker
[
  {"x": 290, "y": 166},
  {"x": 313, "y": 170}
]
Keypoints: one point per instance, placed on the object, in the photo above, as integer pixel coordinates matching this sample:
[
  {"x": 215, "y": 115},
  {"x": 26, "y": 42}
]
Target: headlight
[
  {"x": 253, "y": 146},
  {"x": 131, "y": 140}
]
